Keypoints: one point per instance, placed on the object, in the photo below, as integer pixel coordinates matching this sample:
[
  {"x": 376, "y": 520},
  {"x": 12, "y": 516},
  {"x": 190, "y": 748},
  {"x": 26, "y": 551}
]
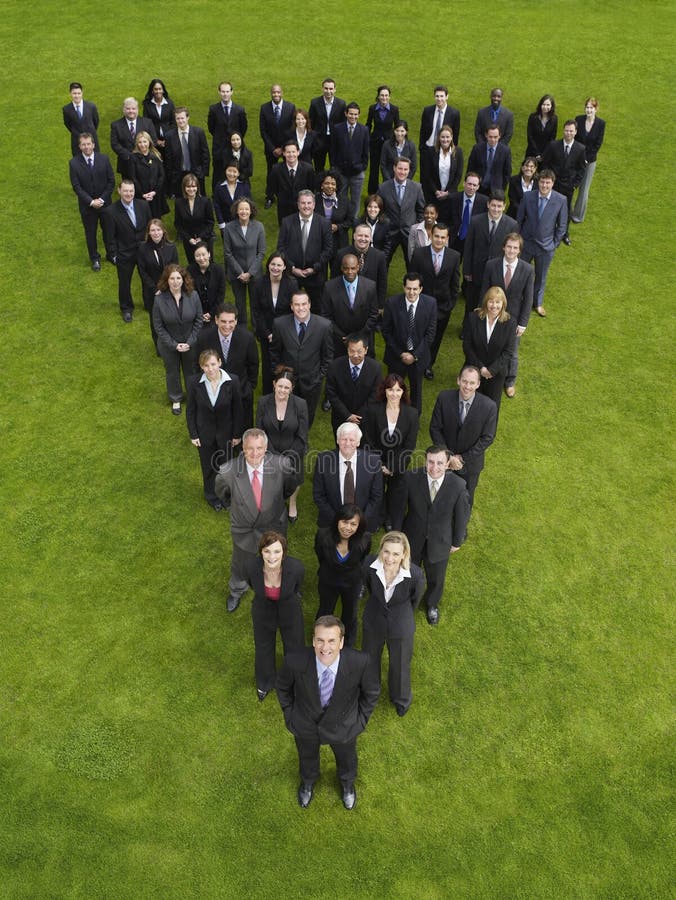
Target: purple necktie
[{"x": 326, "y": 687}]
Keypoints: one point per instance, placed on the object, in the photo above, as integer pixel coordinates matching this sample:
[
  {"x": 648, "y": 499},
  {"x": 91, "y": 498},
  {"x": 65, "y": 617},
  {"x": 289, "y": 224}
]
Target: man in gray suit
[
  {"x": 253, "y": 487},
  {"x": 543, "y": 221},
  {"x": 404, "y": 204}
]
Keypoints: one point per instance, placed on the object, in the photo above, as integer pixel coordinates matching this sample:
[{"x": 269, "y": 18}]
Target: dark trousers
[
  {"x": 400, "y": 651},
  {"x": 148, "y": 303},
  {"x": 266, "y": 366},
  {"x": 435, "y": 576},
  {"x": 395, "y": 505},
  {"x": 471, "y": 480},
  {"x": 212, "y": 457},
  {"x": 239, "y": 289},
  {"x": 125, "y": 270},
  {"x": 91, "y": 219},
  {"x": 348, "y": 592},
  {"x": 346, "y": 761},
  {"x": 174, "y": 364},
  {"x": 492, "y": 387},
  {"x": 375, "y": 152},
  {"x": 311, "y": 397},
  {"x": 268, "y": 616},
  {"x": 442, "y": 324},
  {"x": 543, "y": 260},
  {"x": 398, "y": 240},
  {"x": 320, "y": 152},
  {"x": 513, "y": 367}
]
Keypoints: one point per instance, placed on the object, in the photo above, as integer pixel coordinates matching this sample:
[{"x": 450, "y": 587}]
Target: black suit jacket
[
  {"x": 262, "y": 308},
  {"x": 484, "y": 120},
  {"x": 395, "y": 329},
  {"x": 393, "y": 449},
  {"x": 199, "y": 155},
  {"x": 501, "y": 169},
  {"x": 592, "y": 139},
  {"x": 210, "y": 286},
  {"x": 494, "y": 354},
  {"x": 451, "y": 117},
  {"x": 199, "y": 223},
  {"x": 172, "y": 328},
  {"x": 435, "y": 525},
  {"x": 123, "y": 143},
  {"x": 381, "y": 129},
  {"x": 152, "y": 261},
  {"x": 285, "y": 190},
  {"x": 273, "y": 133},
  {"x": 432, "y": 183},
  {"x": 318, "y": 250},
  {"x": 350, "y": 156},
  {"x": 291, "y": 438},
  {"x": 91, "y": 183},
  {"x": 479, "y": 248},
  {"x": 309, "y": 359},
  {"x": 317, "y": 113},
  {"x": 568, "y": 169},
  {"x": 538, "y": 137},
  {"x": 393, "y": 619},
  {"x": 520, "y": 290},
  {"x": 242, "y": 356},
  {"x": 474, "y": 436},
  {"x": 361, "y": 317},
  {"x": 221, "y": 127},
  {"x": 121, "y": 238},
  {"x": 445, "y": 284},
  {"x": 350, "y": 397},
  {"x": 355, "y": 694},
  {"x": 77, "y": 126},
  {"x": 368, "y": 493},
  {"x": 373, "y": 266},
  {"x": 164, "y": 121},
  {"x": 214, "y": 424},
  {"x": 456, "y": 205}
]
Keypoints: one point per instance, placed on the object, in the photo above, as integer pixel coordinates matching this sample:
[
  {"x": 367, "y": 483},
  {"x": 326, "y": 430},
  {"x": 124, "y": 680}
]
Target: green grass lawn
[{"x": 535, "y": 762}]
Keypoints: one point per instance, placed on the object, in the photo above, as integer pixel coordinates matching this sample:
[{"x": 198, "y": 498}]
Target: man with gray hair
[
  {"x": 348, "y": 475},
  {"x": 253, "y": 487},
  {"x": 123, "y": 134}
]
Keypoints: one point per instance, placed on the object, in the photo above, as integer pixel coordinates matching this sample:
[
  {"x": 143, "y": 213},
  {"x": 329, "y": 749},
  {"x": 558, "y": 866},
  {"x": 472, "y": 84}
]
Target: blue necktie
[
  {"x": 355, "y": 373},
  {"x": 326, "y": 688},
  {"x": 466, "y": 213}
]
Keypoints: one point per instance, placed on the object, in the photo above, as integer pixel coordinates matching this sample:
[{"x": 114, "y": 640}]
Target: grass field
[{"x": 537, "y": 758}]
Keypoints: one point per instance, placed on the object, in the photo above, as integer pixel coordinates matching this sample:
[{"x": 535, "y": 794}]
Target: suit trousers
[
  {"x": 353, "y": 186},
  {"x": 513, "y": 366},
  {"x": 400, "y": 651},
  {"x": 125, "y": 272},
  {"x": 399, "y": 241},
  {"x": 174, "y": 363},
  {"x": 211, "y": 459},
  {"x": 442, "y": 324},
  {"x": 345, "y": 755},
  {"x": 580, "y": 208},
  {"x": 91, "y": 219},
  {"x": 395, "y": 500},
  {"x": 268, "y": 616},
  {"x": 148, "y": 303},
  {"x": 471, "y": 480},
  {"x": 311, "y": 397},
  {"x": 435, "y": 576},
  {"x": 238, "y": 584},
  {"x": 239, "y": 289},
  {"x": 348, "y": 591},
  {"x": 543, "y": 260}
]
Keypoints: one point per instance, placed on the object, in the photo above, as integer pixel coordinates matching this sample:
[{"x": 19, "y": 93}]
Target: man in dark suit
[
  {"x": 275, "y": 121},
  {"x": 516, "y": 278},
  {"x": 350, "y": 303},
  {"x": 372, "y": 262},
  {"x": 325, "y": 113},
  {"x": 409, "y": 326},
  {"x": 237, "y": 349},
  {"x": 80, "y": 117},
  {"x": 543, "y": 221},
  {"x": 303, "y": 342},
  {"x": 492, "y": 161},
  {"x": 464, "y": 421},
  {"x": 288, "y": 178},
  {"x": 436, "y": 520},
  {"x": 123, "y": 134},
  {"x": 485, "y": 238},
  {"x": 92, "y": 178},
  {"x": 404, "y": 204},
  {"x": 352, "y": 382},
  {"x": 327, "y": 697},
  {"x": 223, "y": 118},
  {"x": 495, "y": 114},
  {"x": 186, "y": 150},
  {"x": 350, "y": 155},
  {"x": 307, "y": 243},
  {"x": 439, "y": 268},
  {"x": 253, "y": 487},
  {"x": 124, "y": 229},
  {"x": 462, "y": 206},
  {"x": 348, "y": 475},
  {"x": 433, "y": 117},
  {"x": 567, "y": 160}
]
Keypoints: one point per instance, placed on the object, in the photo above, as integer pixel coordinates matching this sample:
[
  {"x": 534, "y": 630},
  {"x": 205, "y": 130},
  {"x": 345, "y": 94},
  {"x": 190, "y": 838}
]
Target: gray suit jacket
[
  {"x": 543, "y": 233},
  {"x": 411, "y": 209},
  {"x": 247, "y": 522},
  {"x": 244, "y": 254},
  {"x": 520, "y": 290}
]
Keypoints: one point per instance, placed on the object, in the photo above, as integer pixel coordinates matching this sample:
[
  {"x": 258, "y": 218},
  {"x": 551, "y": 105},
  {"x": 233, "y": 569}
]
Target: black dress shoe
[
  {"x": 96, "y": 265},
  {"x": 433, "y": 615},
  {"x": 233, "y": 603},
  {"x": 127, "y": 316},
  {"x": 176, "y": 409},
  {"x": 215, "y": 504},
  {"x": 305, "y": 793},
  {"x": 401, "y": 710},
  {"x": 349, "y": 798},
  {"x": 326, "y": 405},
  {"x": 268, "y": 203},
  {"x": 388, "y": 525},
  {"x": 429, "y": 374},
  {"x": 566, "y": 240},
  {"x": 261, "y": 695}
]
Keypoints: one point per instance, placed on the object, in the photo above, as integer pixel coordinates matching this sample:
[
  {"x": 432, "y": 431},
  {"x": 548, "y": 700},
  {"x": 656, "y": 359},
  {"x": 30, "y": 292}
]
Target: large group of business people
[{"x": 305, "y": 320}]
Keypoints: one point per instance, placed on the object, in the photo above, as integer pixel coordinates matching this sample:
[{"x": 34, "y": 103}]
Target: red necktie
[{"x": 256, "y": 488}]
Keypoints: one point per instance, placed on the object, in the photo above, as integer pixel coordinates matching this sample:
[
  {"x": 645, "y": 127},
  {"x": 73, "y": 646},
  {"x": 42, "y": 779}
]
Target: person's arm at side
[{"x": 369, "y": 691}]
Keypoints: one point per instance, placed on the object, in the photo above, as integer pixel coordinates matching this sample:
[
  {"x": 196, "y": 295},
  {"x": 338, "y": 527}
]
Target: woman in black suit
[
  {"x": 159, "y": 108},
  {"x": 394, "y": 586},
  {"x": 304, "y": 136},
  {"x": 284, "y": 418},
  {"x": 147, "y": 172},
  {"x": 590, "y": 132},
  {"x": 332, "y": 203},
  {"x": 209, "y": 280},
  {"x": 521, "y": 183},
  {"x": 177, "y": 317},
  {"x": 398, "y": 145},
  {"x": 271, "y": 299},
  {"x": 154, "y": 255},
  {"x": 541, "y": 127},
  {"x": 341, "y": 548},
  {"x": 391, "y": 427},
  {"x": 193, "y": 217},
  {"x": 239, "y": 154},
  {"x": 214, "y": 417},
  {"x": 374, "y": 216},
  {"x": 380, "y": 123},
  {"x": 489, "y": 342},
  {"x": 277, "y": 580},
  {"x": 228, "y": 192},
  {"x": 443, "y": 173}
]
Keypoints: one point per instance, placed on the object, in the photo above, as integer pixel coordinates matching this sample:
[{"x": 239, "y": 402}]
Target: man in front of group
[
  {"x": 352, "y": 381},
  {"x": 516, "y": 279},
  {"x": 253, "y": 487},
  {"x": 543, "y": 222},
  {"x": 186, "y": 151},
  {"x": 302, "y": 342},
  {"x": 124, "y": 229},
  {"x": 465, "y": 422},
  {"x": 325, "y": 113},
  {"x": 436, "y": 520},
  {"x": 92, "y": 178},
  {"x": 327, "y": 694},
  {"x": 409, "y": 326}
]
